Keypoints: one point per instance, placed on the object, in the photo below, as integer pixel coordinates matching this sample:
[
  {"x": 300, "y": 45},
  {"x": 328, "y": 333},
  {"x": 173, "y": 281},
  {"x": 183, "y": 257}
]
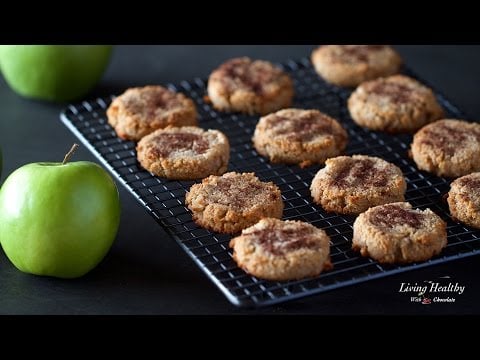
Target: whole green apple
[
  {"x": 53, "y": 72},
  {"x": 58, "y": 219}
]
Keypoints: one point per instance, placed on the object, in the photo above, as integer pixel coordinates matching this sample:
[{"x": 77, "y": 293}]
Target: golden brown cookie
[
  {"x": 464, "y": 199},
  {"x": 184, "y": 153},
  {"x": 448, "y": 148},
  {"x": 142, "y": 110},
  {"x": 350, "y": 65},
  {"x": 295, "y": 136},
  {"x": 396, "y": 104},
  {"x": 352, "y": 184},
  {"x": 250, "y": 86},
  {"x": 233, "y": 202},
  {"x": 279, "y": 250},
  {"x": 396, "y": 233}
]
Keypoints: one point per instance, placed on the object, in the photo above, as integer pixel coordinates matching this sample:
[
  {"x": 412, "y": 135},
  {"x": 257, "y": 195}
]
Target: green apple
[
  {"x": 53, "y": 72},
  {"x": 58, "y": 219}
]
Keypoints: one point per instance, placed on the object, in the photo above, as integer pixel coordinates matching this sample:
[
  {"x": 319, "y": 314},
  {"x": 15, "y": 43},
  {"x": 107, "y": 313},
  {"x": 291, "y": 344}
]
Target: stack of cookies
[{"x": 387, "y": 229}]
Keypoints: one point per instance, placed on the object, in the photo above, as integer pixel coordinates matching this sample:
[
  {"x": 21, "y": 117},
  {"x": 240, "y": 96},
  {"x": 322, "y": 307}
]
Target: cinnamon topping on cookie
[
  {"x": 278, "y": 241},
  {"x": 152, "y": 101},
  {"x": 449, "y": 137},
  {"x": 362, "y": 173},
  {"x": 393, "y": 215},
  {"x": 303, "y": 128},
  {"x": 168, "y": 143},
  {"x": 357, "y": 52},
  {"x": 253, "y": 75},
  {"x": 396, "y": 92}
]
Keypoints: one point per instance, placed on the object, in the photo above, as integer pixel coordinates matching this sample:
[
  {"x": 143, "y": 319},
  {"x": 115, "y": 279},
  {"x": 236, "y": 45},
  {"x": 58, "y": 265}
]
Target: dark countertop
[{"x": 146, "y": 272}]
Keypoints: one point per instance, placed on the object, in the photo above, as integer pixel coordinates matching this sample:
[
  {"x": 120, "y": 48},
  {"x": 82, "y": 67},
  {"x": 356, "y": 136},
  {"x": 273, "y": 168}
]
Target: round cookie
[
  {"x": 396, "y": 104},
  {"x": 279, "y": 250},
  {"x": 464, "y": 199},
  {"x": 295, "y": 136},
  {"x": 184, "y": 153},
  {"x": 233, "y": 202},
  {"x": 352, "y": 184},
  {"x": 350, "y": 65},
  {"x": 448, "y": 148},
  {"x": 250, "y": 86},
  {"x": 142, "y": 110},
  {"x": 396, "y": 233}
]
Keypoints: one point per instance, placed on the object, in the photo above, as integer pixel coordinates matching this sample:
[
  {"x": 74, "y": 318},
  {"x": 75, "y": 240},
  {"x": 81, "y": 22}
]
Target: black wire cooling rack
[{"x": 164, "y": 199}]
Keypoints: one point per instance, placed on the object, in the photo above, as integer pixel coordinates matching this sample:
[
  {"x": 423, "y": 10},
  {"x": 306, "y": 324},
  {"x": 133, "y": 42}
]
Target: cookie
[
  {"x": 142, "y": 110},
  {"x": 352, "y": 184},
  {"x": 250, "y": 86},
  {"x": 396, "y": 104},
  {"x": 184, "y": 153},
  {"x": 295, "y": 136},
  {"x": 448, "y": 148},
  {"x": 279, "y": 250},
  {"x": 464, "y": 199},
  {"x": 233, "y": 201},
  {"x": 396, "y": 233},
  {"x": 350, "y": 65}
]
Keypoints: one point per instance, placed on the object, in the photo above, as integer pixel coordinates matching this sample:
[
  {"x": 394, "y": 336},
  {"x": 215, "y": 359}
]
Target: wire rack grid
[{"x": 164, "y": 199}]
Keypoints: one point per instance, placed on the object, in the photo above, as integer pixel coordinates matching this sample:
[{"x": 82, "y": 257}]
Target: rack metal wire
[{"x": 164, "y": 199}]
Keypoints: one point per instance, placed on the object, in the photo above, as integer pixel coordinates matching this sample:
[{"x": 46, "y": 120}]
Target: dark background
[{"x": 146, "y": 272}]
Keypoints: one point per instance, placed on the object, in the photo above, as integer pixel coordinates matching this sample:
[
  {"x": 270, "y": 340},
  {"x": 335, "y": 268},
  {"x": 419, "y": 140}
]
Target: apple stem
[{"x": 69, "y": 154}]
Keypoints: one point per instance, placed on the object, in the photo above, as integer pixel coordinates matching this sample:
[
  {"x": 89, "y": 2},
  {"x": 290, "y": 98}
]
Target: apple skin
[
  {"x": 53, "y": 72},
  {"x": 58, "y": 220}
]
